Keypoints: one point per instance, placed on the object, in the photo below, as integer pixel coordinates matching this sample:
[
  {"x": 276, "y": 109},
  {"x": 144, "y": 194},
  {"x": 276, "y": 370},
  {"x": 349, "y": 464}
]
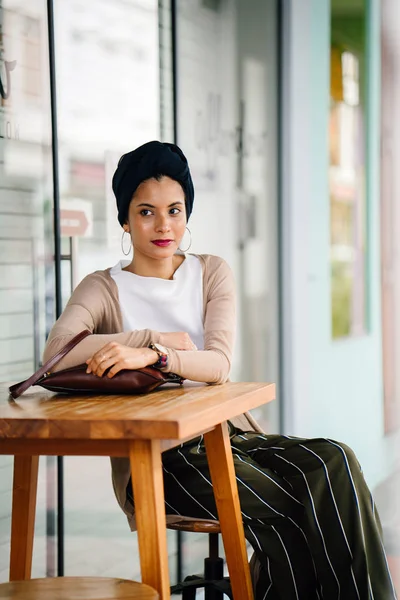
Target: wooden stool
[
  {"x": 213, "y": 581},
  {"x": 76, "y": 588}
]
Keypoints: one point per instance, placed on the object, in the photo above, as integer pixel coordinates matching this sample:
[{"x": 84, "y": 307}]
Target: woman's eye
[
  {"x": 174, "y": 213},
  {"x": 145, "y": 212}
]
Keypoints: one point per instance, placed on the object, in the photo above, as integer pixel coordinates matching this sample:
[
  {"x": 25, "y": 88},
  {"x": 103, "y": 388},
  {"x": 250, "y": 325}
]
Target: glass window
[
  {"x": 107, "y": 69},
  {"x": 227, "y": 125},
  {"x": 347, "y": 186},
  {"x": 390, "y": 209},
  {"x": 26, "y": 234},
  {"x": 107, "y": 63}
]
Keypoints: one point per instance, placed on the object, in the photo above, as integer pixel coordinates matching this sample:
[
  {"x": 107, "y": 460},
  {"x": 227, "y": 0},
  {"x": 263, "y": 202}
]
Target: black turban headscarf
[{"x": 147, "y": 161}]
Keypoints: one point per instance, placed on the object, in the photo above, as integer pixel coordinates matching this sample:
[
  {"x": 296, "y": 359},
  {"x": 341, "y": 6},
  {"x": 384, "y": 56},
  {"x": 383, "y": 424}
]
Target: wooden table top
[{"x": 169, "y": 413}]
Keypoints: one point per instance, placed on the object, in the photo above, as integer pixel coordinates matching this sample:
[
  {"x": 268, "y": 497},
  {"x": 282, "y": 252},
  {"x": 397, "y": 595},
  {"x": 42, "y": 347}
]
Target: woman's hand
[
  {"x": 117, "y": 357},
  {"x": 179, "y": 340}
]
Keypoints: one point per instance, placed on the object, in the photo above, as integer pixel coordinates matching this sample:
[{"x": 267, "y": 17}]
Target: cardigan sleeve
[
  {"x": 213, "y": 364},
  {"x": 89, "y": 308}
]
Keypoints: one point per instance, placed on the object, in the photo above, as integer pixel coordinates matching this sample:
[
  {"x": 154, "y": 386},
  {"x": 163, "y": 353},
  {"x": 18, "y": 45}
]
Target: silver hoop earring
[
  {"x": 190, "y": 243},
  {"x": 122, "y": 244}
]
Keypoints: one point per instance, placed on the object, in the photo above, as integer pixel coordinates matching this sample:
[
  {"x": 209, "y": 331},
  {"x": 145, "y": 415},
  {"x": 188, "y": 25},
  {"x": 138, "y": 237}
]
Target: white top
[{"x": 163, "y": 304}]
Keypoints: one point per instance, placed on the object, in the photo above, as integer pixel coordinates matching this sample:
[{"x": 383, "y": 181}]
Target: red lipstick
[{"x": 162, "y": 243}]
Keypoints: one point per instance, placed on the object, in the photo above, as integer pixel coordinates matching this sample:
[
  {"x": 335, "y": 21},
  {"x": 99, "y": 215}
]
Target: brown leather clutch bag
[{"x": 75, "y": 380}]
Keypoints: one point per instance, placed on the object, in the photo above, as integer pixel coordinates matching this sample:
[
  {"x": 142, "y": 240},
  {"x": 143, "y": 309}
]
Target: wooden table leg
[
  {"x": 148, "y": 493},
  {"x": 23, "y": 516},
  {"x": 219, "y": 455}
]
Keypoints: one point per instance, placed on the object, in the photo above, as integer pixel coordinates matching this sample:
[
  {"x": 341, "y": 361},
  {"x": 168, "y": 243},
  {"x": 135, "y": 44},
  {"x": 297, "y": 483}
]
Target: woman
[{"x": 306, "y": 508}]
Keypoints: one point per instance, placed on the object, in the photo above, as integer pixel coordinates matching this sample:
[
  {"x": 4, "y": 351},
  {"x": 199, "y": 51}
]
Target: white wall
[
  {"x": 333, "y": 388},
  {"x": 227, "y": 59}
]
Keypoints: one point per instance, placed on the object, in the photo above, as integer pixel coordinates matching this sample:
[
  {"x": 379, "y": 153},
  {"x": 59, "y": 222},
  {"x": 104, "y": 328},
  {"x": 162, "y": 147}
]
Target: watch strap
[{"x": 162, "y": 361}]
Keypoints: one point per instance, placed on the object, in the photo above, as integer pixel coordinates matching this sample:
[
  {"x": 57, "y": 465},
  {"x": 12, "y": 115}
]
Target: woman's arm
[
  {"x": 213, "y": 364},
  {"x": 88, "y": 308}
]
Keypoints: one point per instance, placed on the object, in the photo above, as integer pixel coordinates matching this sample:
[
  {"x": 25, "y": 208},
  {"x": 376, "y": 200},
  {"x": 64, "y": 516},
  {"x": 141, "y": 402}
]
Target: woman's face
[{"x": 157, "y": 217}]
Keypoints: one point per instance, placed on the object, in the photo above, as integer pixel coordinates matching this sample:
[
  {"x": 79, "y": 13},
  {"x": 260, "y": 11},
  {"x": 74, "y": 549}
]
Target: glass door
[
  {"x": 107, "y": 64},
  {"x": 227, "y": 126},
  {"x": 26, "y": 240}
]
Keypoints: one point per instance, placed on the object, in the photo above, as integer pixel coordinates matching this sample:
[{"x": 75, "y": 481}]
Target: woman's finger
[
  {"x": 103, "y": 366},
  {"x": 107, "y": 350},
  {"x": 100, "y": 363},
  {"x": 116, "y": 368},
  {"x": 94, "y": 362}
]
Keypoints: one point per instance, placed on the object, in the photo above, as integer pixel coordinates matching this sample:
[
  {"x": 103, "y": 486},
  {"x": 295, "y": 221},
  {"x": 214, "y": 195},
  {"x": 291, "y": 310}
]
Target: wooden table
[{"x": 140, "y": 427}]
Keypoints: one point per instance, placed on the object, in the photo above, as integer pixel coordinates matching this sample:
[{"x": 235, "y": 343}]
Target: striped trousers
[{"x": 307, "y": 513}]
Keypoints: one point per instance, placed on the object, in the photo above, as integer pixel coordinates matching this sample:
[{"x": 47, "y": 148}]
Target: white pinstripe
[
  {"x": 359, "y": 514},
  {"x": 357, "y": 504},
  {"x": 289, "y": 518},
  {"x": 269, "y": 569},
  {"x": 267, "y": 592},
  {"x": 192, "y": 497},
  {"x": 174, "y": 509},
  {"x": 250, "y": 529},
  {"x": 387, "y": 567},
  {"x": 290, "y": 564},
  {"x": 264, "y": 502},
  {"x": 265, "y": 449},
  {"x": 199, "y": 444},
  {"x": 267, "y": 476},
  {"x": 238, "y": 479},
  {"x": 269, "y": 572},
  {"x": 337, "y": 512},
  {"x": 383, "y": 551},
  {"x": 259, "y": 497},
  {"x": 195, "y": 468},
  {"x": 305, "y": 537},
  {"x": 270, "y": 577},
  {"x": 245, "y": 485},
  {"x": 287, "y": 481},
  {"x": 256, "y": 538},
  {"x": 316, "y": 519},
  {"x": 204, "y": 477}
]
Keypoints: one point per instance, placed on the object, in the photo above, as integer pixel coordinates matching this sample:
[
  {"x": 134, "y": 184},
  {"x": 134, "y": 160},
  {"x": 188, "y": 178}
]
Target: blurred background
[{"x": 288, "y": 113}]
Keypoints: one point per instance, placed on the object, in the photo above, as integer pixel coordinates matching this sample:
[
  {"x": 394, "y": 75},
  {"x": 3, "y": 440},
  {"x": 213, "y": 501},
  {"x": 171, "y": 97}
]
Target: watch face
[{"x": 160, "y": 348}]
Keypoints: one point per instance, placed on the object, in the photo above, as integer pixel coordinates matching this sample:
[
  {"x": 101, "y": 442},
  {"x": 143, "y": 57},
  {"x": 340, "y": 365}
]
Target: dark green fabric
[{"x": 307, "y": 512}]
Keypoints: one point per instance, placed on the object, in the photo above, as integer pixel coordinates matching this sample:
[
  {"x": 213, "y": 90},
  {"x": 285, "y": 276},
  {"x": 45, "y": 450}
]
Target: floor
[{"x": 97, "y": 537}]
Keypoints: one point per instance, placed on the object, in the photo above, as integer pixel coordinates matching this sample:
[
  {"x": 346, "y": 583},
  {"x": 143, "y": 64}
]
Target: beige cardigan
[{"x": 94, "y": 305}]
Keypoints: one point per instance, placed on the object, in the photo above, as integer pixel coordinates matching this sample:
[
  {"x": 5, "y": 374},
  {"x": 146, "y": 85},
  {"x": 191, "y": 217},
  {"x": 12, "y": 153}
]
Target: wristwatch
[{"x": 162, "y": 354}]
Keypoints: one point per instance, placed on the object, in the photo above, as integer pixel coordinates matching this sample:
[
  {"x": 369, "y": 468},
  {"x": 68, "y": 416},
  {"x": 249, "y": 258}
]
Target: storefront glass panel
[
  {"x": 26, "y": 238},
  {"x": 107, "y": 65}
]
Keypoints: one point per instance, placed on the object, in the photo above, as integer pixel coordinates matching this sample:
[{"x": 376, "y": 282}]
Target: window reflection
[
  {"x": 108, "y": 103},
  {"x": 107, "y": 64},
  {"x": 26, "y": 236},
  {"x": 390, "y": 215},
  {"x": 347, "y": 170}
]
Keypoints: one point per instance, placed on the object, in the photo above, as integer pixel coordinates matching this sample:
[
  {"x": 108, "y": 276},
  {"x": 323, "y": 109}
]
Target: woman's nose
[{"x": 162, "y": 224}]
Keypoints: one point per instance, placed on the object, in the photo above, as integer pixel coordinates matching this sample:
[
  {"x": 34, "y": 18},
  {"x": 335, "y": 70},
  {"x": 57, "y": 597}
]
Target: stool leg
[
  {"x": 189, "y": 594},
  {"x": 23, "y": 516},
  {"x": 213, "y": 545},
  {"x": 213, "y": 568},
  {"x": 220, "y": 460}
]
